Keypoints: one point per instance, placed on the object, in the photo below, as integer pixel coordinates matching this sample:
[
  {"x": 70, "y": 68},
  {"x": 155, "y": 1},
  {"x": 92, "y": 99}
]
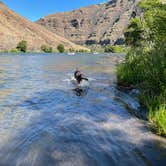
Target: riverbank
[{"x": 145, "y": 63}]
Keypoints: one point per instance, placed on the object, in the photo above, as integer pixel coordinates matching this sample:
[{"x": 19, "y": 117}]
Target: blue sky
[{"x": 35, "y": 9}]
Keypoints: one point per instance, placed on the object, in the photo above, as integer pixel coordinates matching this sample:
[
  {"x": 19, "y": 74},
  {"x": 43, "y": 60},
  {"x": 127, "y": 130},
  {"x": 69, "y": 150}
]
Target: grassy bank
[{"x": 145, "y": 63}]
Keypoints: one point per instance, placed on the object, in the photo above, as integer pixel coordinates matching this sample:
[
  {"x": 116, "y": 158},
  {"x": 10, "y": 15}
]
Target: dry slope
[
  {"x": 14, "y": 28},
  {"x": 96, "y": 24}
]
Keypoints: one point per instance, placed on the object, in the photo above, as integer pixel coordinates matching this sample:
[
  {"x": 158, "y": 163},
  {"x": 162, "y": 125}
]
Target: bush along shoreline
[
  {"x": 22, "y": 47},
  {"x": 145, "y": 64}
]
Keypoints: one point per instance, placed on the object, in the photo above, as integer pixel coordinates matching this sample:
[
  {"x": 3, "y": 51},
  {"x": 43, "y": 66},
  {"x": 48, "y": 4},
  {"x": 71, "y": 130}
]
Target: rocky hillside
[
  {"x": 96, "y": 24},
  {"x": 14, "y": 28}
]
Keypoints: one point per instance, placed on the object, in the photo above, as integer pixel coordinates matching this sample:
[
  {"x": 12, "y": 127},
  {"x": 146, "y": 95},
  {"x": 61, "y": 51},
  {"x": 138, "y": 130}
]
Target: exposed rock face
[
  {"x": 14, "y": 28},
  {"x": 96, "y": 24}
]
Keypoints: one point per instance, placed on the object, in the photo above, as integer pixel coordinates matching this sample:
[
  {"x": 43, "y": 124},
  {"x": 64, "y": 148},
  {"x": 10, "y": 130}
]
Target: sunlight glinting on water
[{"x": 45, "y": 121}]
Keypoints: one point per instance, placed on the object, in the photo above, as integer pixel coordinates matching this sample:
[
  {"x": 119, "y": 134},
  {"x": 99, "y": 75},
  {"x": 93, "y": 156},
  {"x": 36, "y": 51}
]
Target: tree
[
  {"x": 61, "y": 48},
  {"x": 134, "y": 32},
  {"x": 71, "y": 50},
  {"x": 22, "y": 46},
  {"x": 46, "y": 49}
]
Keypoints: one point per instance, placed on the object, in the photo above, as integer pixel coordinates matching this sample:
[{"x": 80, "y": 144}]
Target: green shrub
[
  {"x": 22, "y": 46},
  {"x": 46, "y": 49},
  {"x": 71, "y": 50},
  {"x": 82, "y": 50},
  {"x": 145, "y": 64},
  {"x": 61, "y": 48},
  {"x": 14, "y": 50},
  {"x": 134, "y": 32},
  {"x": 114, "y": 49},
  {"x": 146, "y": 4}
]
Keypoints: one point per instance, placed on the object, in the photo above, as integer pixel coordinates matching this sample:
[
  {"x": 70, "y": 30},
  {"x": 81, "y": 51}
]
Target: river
[{"x": 44, "y": 122}]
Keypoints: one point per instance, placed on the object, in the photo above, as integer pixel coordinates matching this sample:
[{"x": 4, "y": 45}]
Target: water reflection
[
  {"x": 44, "y": 122},
  {"x": 80, "y": 91}
]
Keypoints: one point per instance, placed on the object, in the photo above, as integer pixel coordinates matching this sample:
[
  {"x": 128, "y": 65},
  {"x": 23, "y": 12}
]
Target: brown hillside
[
  {"x": 96, "y": 24},
  {"x": 14, "y": 28}
]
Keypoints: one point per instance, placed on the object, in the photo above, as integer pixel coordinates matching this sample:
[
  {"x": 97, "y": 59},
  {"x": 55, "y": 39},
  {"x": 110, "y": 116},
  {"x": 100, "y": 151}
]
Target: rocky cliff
[
  {"x": 97, "y": 24},
  {"x": 14, "y": 28}
]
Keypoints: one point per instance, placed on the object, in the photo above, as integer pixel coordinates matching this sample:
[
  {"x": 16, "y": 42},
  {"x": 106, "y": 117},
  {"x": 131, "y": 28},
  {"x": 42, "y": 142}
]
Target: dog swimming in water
[
  {"x": 79, "y": 76},
  {"x": 81, "y": 83}
]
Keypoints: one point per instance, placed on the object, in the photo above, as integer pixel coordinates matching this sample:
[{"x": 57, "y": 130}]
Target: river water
[{"x": 44, "y": 122}]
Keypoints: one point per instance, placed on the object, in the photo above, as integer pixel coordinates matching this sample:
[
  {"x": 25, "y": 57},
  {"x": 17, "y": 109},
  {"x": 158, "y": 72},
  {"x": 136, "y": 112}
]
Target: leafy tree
[
  {"x": 61, "y": 48},
  {"x": 134, "y": 32},
  {"x": 22, "y": 46},
  {"x": 46, "y": 49},
  {"x": 71, "y": 50},
  {"x": 148, "y": 5}
]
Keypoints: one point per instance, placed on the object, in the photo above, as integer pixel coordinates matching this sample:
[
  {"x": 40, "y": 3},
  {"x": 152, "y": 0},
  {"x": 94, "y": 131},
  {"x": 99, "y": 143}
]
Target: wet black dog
[
  {"x": 79, "y": 76},
  {"x": 80, "y": 91}
]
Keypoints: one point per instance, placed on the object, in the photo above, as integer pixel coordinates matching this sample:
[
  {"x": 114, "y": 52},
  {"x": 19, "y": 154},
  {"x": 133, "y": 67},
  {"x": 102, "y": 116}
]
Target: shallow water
[{"x": 43, "y": 122}]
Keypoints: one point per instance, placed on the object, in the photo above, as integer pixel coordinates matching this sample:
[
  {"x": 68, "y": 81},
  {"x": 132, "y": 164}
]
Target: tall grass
[
  {"x": 147, "y": 72},
  {"x": 145, "y": 68},
  {"x": 145, "y": 64},
  {"x": 158, "y": 119}
]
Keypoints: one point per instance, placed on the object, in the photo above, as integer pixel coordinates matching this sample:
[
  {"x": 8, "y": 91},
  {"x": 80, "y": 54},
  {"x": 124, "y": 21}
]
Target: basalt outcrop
[{"x": 97, "y": 24}]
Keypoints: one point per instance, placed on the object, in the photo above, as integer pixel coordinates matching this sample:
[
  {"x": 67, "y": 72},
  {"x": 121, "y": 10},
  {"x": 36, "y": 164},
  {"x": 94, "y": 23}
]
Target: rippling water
[{"x": 43, "y": 122}]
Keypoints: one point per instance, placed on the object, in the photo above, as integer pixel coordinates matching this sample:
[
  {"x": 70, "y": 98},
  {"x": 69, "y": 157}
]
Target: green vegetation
[
  {"x": 71, "y": 50},
  {"x": 82, "y": 51},
  {"x": 14, "y": 50},
  {"x": 46, "y": 49},
  {"x": 61, "y": 48},
  {"x": 134, "y": 32},
  {"x": 157, "y": 117},
  {"x": 22, "y": 46},
  {"x": 114, "y": 49},
  {"x": 145, "y": 63}
]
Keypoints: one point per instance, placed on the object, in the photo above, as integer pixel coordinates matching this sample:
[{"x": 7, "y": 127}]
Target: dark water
[{"x": 44, "y": 123}]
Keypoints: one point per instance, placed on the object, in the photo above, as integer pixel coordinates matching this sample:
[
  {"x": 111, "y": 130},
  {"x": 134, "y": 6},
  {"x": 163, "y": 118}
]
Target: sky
[{"x": 35, "y": 9}]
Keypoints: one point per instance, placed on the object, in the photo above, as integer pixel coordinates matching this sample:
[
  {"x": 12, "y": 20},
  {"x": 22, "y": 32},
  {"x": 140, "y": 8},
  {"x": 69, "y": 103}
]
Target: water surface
[{"x": 44, "y": 122}]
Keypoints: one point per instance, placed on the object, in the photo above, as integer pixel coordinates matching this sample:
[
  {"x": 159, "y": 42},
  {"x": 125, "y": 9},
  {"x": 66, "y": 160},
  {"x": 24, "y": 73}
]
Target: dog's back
[{"x": 79, "y": 76}]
